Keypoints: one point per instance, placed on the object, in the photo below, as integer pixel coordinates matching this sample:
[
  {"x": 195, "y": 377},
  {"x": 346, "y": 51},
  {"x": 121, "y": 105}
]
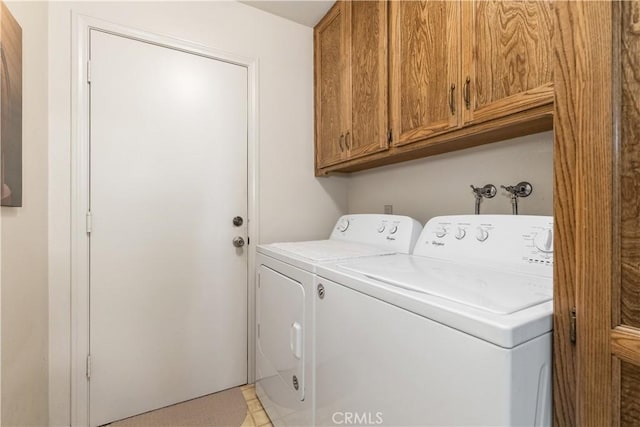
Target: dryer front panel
[{"x": 281, "y": 330}]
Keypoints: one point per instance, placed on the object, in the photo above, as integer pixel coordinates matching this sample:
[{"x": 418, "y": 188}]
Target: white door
[{"x": 168, "y": 290}]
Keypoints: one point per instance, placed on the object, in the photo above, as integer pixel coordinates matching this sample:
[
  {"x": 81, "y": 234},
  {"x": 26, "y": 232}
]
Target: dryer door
[{"x": 281, "y": 333}]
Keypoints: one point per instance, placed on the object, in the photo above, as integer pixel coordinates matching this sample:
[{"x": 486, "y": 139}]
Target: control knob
[
  {"x": 441, "y": 232},
  {"x": 461, "y": 233},
  {"x": 482, "y": 234},
  {"x": 544, "y": 241},
  {"x": 393, "y": 229},
  {"x": 381, "y": 228},
  {"x": 343, "y": 225}
]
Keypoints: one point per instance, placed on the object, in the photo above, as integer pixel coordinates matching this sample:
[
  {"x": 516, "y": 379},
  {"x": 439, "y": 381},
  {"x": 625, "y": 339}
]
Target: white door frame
[{"x": 81, "y": 26}]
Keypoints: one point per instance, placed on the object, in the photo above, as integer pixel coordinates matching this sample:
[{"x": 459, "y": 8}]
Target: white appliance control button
[
  {"x": 461, "y": 233},
  {"x": 381, "y": 228},
  {"x": 544, "y": 241},
  {"x": 441, "y": 232},
  {"x": 393, "y": 229},
  {"x": 482, "y": 234},
  {"x": 343, "y": 225}
]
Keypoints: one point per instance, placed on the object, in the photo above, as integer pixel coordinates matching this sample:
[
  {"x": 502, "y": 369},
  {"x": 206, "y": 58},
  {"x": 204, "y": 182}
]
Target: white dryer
[
  {"x": 285, "y": 306},
  {"x": 457, "y": 334}
]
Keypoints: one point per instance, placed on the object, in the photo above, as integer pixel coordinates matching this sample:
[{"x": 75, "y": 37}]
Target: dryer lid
[
  {"x": 329, "y": 250},
  {"x": 486, "y": 289}
]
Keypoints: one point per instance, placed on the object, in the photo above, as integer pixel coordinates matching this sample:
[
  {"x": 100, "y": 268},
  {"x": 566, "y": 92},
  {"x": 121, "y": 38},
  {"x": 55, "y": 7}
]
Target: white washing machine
[
  {"x": 285, "y": 306},
  {"x": 457, "y": 334}
]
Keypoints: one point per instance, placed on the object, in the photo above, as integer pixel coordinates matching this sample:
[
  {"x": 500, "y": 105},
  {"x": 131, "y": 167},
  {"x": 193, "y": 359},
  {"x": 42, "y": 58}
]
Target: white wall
[
  {"x": 24, "y": 239},
  {"x": 293, "y": 204},
  {"x": 439, "y": 185}
]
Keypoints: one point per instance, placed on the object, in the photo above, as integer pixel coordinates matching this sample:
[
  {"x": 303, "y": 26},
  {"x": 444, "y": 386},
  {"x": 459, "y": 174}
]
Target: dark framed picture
[{"x": 10, "y": 109}]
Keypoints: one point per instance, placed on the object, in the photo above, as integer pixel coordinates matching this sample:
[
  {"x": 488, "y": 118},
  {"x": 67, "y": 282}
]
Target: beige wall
[
  {"x": 439, "y": 185},
  {"x": 293, "y": 203},
  {"x": 24, "y": 239}
]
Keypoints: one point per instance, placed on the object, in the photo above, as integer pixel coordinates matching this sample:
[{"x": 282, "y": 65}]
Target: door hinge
[
  {"x": 88, "y": 366},
  {"x": 572, "y": 324},
  {"x": 89, "y": 222},
  {"x": 248, "y": 240},
  {"x": 89, "y": 72},
  {"x": 390, "y": 136}
]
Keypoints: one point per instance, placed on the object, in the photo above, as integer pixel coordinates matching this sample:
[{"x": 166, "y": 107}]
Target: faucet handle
[
  {"x": 488, "y": 191},
  {"x": 521, "y": 189},
  {"x": 510, "y": 189}
]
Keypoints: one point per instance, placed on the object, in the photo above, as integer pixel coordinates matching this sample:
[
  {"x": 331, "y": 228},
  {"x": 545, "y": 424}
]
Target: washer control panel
[
  {"x": 394, "y": 232},
  {"x": 521, "y": 242}
]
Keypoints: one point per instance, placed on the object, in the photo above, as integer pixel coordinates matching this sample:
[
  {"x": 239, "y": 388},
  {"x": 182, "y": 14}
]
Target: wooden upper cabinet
[
  {"x": 507, "y": 57},
  {"x": 351, "y": 82},
  {"x": 444, "y": 75},
  {"x": 367, "y": 41},
  {"x": 330, "y": 87},
  {"x": 425, "y": 66}
]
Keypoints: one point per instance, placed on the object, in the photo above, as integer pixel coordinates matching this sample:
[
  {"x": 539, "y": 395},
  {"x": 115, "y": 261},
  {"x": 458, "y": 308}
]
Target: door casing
[{"x": 81, "y": 26}]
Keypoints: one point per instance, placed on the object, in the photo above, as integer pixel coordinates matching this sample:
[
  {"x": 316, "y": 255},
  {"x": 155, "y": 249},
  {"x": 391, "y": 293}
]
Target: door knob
[
  {"x": 238, "y": 242},
  {"x": 238, "y": 221}
]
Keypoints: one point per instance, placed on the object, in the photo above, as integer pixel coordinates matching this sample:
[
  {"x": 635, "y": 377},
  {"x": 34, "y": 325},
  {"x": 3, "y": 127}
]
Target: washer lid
[
  {"x": 475, "y": 286},
  {"x": 329, "y": 250}
]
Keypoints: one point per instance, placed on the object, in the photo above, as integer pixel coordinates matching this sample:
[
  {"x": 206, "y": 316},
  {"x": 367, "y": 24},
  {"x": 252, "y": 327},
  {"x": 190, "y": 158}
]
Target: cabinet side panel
[{"x": 564, "y": 206}]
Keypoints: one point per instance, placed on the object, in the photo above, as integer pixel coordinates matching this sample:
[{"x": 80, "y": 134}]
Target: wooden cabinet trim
[
  {"x": 625, "y": 344},
  {"x": 564, "y": 211},
  {"x": 512, "y": 104},
  {"x": 536, "y": 120},
  {"x": 583, "y": 171}
]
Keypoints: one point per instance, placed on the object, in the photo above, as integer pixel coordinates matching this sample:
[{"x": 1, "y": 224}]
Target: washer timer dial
[
  {"x": 482, "y": 235},
  {"x": 543, "y": 241},
  {"x": 343, "y": 225}
]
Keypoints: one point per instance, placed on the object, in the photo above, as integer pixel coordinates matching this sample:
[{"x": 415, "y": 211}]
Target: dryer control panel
[
  {"x": 394, "y": 232},
  {"x": 511, "y": 242}
]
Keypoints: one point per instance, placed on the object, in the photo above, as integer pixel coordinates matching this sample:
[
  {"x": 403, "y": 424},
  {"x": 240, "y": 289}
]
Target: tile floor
[
  {"x": 256, "y": 416},
  {"x": 218, "y": 409}
]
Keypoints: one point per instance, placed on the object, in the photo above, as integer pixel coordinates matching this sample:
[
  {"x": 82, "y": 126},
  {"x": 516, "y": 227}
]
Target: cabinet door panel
[
  {"x": 330, "y": 87},
  {"x": 508, "y": 57},
  {"x": 425, "y": 52},
  {"x": 368, "y": 56},
  {"x": 626, "y": 310}
]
